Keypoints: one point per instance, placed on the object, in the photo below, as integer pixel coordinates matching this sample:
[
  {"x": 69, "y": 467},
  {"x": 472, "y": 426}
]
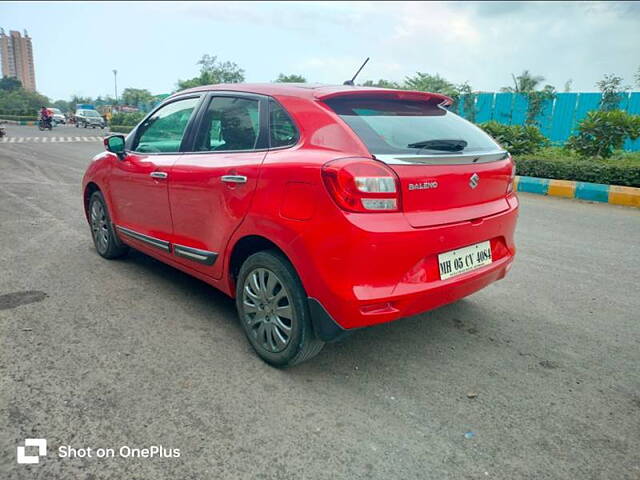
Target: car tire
[
  {"x": 273, "y": 310},
  {"x": 104, "y": 237}
]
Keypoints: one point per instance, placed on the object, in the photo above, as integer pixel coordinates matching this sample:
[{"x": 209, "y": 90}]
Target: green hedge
[
  {"x": 121, "y": 128},
  {"x": 587, "y": 170},
  {"x": 131, "y": 119},
  {"x": 19, "y": 118}
]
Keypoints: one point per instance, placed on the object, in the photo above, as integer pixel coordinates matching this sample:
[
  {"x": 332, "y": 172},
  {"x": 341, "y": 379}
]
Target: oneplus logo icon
[{"x": 41, "y": 443}]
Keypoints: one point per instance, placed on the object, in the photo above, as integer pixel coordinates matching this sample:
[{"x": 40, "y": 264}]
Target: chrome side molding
[
  {"x": 141, "y": 237},
  {"x": 201, "y": 256}
]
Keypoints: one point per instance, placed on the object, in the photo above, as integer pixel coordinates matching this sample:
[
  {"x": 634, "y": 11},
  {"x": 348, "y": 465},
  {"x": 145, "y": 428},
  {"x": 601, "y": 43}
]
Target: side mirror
[{"x": 115, "y": 144}]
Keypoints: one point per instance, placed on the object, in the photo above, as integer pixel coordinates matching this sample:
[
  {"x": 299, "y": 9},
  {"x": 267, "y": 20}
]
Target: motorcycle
[{"x": 45, "y": 124}]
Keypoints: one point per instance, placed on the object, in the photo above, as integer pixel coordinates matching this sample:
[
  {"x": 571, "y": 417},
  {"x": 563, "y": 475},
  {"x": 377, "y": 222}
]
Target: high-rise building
[{"x": 17, "y": 58}]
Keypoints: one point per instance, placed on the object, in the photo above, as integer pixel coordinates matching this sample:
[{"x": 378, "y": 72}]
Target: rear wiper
[{"x": 449, "y": 145}]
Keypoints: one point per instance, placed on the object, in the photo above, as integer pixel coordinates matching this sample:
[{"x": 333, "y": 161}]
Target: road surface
[{"x": 132, "y": 353}]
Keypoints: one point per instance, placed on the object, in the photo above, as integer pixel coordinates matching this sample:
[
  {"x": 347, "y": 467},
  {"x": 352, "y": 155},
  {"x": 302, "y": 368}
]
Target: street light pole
[{"x": 115, "y": 83}]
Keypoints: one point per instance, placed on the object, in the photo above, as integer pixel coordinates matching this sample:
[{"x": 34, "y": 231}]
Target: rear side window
[
  {"x": 390, "y": 126},
  {"x": 282, "y": 131},
  {"x": 229, "y": 124}
]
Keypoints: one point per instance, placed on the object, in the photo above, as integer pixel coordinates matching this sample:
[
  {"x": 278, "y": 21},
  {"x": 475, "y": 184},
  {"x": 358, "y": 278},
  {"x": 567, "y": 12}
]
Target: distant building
[{"x": 17, "y": 58}]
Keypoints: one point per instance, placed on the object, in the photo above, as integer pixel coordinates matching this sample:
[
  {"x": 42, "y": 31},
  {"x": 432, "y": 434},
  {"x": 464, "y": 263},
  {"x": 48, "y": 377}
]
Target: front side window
[
  {"x": 162, "y": 132},
  {"x": 390, "y": 126},
  {"x": 229, "y": 124},
  {"x": 282, "y": 131}
]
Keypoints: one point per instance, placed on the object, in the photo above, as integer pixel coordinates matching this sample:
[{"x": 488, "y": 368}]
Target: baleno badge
[
  {"x": 474, "y": 180},
  {"x": 424, "y": 185}
]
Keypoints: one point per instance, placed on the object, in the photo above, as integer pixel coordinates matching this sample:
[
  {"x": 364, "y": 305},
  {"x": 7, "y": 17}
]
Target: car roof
[{"x": 316, "y": 91}]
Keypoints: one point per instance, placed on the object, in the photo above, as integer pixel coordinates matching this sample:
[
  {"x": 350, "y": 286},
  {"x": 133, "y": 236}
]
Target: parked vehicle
[
  {"x": 45, "y": 123},
  {"x": 58, "y": 116},
  {"x": 89, "y": 118},
  {"x": 322, "y": 210}
]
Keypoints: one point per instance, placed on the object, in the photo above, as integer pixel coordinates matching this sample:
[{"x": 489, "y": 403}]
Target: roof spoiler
[{"x": 412, "y": 95}]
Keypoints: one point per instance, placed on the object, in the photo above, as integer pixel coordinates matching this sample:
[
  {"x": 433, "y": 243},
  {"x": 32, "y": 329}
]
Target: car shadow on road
[{"x": 423, "y": 336}]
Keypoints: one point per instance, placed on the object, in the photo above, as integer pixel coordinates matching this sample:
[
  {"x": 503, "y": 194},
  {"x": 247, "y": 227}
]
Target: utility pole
[{"x": 115, "y": 83}]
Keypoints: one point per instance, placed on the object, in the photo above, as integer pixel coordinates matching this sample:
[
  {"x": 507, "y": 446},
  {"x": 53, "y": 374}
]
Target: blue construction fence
[{"x": 558, "y": 117}]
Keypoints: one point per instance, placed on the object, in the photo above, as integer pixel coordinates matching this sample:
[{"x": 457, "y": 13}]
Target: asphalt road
[{"x": 133, "y": 353}]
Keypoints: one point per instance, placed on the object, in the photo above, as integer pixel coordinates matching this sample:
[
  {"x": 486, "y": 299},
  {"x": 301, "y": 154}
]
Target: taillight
[
  {"x": 360, "y": 185},
  {"x": 512, "y": 176}
]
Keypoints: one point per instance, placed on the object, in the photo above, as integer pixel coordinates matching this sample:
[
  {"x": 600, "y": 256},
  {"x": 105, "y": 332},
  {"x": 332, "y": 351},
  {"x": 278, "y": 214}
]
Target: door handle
[
  {"x": 234, "y": 179},
  {"x": 159, "y": 174}
]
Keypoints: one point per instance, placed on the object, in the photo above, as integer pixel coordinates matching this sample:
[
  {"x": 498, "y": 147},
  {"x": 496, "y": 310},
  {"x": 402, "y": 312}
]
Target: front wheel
[
  {"x": 273, "y": 310},
  {"x": 104, "y": 237}
]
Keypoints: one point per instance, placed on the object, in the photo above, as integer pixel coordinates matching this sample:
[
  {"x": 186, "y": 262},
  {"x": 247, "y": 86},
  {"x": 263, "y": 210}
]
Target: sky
[{"x": 153, "y": 44}]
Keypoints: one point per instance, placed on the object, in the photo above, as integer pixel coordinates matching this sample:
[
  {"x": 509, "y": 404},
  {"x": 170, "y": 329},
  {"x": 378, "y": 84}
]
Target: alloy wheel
[
  {"x": 268, "y": 310},
  {"x": 99, "y": 226}
]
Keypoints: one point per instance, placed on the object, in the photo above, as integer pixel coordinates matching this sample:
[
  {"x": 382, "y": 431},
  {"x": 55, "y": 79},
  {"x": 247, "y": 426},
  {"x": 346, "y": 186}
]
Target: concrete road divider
[{"x": 594, "y": 192}]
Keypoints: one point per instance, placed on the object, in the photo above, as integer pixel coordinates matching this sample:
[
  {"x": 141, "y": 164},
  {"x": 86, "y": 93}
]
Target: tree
[
  {"x": 524, "y": 83},
  {"x": 21, "y": 102},
  {"x": 136, "y": 96},
  {"x": 9, "y": 84},
  {"x": 213, "y": 71},
  {"x": 537, "y": 99},
  {"x": 430, "y": 83},
  {"x": 76, "y": 99},
  {"x": 465, "y": 92},
  {"x": 567, "y": 85},
  {"x": 63, "y": 105},
  {"x": 382, "y": 84},
  {"x": 612, "y": 90},
  {"x": 293, "y": 78},
  {"x": 600, "y": 133}
]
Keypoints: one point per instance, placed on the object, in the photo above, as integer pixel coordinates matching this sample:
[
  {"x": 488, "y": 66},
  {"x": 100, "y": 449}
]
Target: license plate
[{"x": 464, "y": 259}]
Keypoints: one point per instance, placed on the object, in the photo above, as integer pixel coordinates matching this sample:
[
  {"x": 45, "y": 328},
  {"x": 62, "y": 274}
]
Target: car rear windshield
[{"x": 390, "y": 126}]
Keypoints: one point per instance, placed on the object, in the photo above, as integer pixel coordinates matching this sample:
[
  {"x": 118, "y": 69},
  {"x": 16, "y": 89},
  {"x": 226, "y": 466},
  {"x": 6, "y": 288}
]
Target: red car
[{"x": 321, "y": 209}]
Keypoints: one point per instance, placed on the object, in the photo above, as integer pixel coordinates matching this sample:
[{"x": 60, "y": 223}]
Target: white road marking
[{"x": 51, "y": 139}]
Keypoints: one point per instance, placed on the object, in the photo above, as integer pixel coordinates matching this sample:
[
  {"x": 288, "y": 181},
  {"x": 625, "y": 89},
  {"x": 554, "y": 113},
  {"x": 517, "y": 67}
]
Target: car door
[
  {"x": 211, "y": 187},
  {"x": 138, "y": 181}
]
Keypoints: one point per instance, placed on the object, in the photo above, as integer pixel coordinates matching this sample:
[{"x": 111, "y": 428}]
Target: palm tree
[{"x": 524, "y": 83}]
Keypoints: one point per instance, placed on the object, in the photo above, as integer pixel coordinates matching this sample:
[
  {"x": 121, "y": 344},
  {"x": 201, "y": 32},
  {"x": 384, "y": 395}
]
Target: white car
[{"x": 58, "y": 116}]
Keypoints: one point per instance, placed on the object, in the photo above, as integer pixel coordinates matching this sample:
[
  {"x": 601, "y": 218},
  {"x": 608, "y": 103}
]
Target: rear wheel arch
[
  {"x": 88, "y": 191},
  {"x": 244, "y": 248}
]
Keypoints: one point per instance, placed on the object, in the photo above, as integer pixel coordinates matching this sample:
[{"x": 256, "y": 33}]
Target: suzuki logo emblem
[{"x": 474, "y": 180}]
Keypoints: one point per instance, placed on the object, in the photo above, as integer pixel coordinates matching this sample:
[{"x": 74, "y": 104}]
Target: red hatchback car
[{"x": 321, "y": 209}]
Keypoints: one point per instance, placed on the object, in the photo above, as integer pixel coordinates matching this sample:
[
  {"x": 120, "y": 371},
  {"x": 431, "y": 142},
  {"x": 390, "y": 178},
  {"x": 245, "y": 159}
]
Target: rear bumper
[{"x": 367, "y": 277}]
